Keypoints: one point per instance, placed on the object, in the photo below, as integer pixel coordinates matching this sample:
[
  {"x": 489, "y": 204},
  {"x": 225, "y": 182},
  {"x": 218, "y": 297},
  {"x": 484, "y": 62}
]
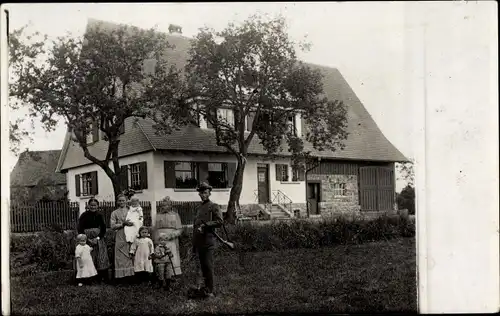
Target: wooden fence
[
  {"x": 106, "y": 208},
  {"x": 39, "y": 216},
  {"x": 186, "y": 210}
]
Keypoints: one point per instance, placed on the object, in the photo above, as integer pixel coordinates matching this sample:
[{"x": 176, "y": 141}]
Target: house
[
  {"x": 34, "y": 178},
  {"x": 360, "y": 177}
]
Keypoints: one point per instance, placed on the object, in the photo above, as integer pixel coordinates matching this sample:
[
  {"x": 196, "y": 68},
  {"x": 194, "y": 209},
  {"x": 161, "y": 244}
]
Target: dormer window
[
  {"x": 224, "y": 115},
  {"x": 292, "y": 125},
  {"x": 249, "y": 121}
]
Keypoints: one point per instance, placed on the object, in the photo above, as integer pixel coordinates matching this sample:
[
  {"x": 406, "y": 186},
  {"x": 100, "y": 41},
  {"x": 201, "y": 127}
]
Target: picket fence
[{"x": 40, "y": 216}]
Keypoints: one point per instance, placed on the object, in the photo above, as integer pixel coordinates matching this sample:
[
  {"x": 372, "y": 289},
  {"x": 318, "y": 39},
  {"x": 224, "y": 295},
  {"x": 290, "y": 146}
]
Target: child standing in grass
[
  {"x": 85, "y": 268},
  {"x": 163, "y": 261},
  {"x": 141, "y": 251}
]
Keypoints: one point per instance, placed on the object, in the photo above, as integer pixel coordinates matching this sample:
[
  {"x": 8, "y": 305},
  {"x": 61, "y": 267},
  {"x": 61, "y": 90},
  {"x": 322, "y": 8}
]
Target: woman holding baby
[{"x": 124, "y": 265}]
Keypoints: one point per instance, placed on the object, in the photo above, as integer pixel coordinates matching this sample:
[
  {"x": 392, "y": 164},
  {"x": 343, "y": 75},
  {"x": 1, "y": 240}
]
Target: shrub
[{"x": 52, "y": 250}]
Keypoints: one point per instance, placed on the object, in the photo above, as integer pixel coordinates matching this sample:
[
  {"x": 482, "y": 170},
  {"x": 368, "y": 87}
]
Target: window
[
  {"x": 250, "y": 119},
  {"x": 298, "y": 174},
  {"x": 339, "y": 189},
  {"x": 185, "y": 175},
  {"x": 226, "y": 116},
  {"x": 282, "y": 172},
  {"x": 217, "y": 175},
  {"x": 86, "y": 184},
  {"x": 292, "y": 125},
  {"x": 135, "y": 177}
]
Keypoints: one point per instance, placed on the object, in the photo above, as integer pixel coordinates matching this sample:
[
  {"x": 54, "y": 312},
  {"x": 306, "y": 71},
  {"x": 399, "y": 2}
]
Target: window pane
[
  {"x": 184, "y": 166},
  {"x": 217, "y": 175},
  {"x": 135, "y": 177},
  {"x": 185, "y": 179},
  {"x": 86, "y": 184},
  {"x": 215, "y": 167}
]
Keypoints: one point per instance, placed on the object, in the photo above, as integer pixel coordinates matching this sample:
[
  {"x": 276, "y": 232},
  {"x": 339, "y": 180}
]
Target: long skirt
[
  {"x": 174, "y": 247},
  {"x": 124, "y": 265},
  {"x": 99, "y": 252}
]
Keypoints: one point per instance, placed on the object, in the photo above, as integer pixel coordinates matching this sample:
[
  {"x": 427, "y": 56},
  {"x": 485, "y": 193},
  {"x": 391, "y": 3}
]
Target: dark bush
[
  {"x": 52, "y": 250},
  {"x": 406, "y": 199}
]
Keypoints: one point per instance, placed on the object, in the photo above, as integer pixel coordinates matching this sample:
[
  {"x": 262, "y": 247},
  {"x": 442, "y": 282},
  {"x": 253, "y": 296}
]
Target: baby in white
[{"x": 134, "y": 215}]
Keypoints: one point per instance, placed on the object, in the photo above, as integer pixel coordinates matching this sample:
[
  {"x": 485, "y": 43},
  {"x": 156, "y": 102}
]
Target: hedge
[{"x": 52, "y": 250}]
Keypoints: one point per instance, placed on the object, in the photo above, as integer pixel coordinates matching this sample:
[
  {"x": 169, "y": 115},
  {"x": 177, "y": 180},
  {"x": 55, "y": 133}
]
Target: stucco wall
[
  {"x": 105, "y": 192},
  {"x": 156, "y": 182},
  {"x": 294, "y": 190}
]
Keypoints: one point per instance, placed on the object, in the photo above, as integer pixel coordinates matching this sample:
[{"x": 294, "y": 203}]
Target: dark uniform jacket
[{"x": 207, "y": 213}]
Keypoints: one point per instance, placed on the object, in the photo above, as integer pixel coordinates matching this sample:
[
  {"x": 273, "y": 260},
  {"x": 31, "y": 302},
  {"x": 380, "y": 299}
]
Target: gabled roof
[
  {"x": 364, "y": 142},
  {"x": 37, "y": 167}
]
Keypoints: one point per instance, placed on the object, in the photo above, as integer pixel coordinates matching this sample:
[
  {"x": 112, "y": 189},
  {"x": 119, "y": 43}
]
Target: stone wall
[
  {"x": 302, "y": 207},
  {"x": 331, "y": 203}
]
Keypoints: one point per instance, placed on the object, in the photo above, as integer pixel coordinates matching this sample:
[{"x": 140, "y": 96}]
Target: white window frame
[
  {"x": 226, "y": 114},
  {"x": 292, "y": 124},
  {"x": 223, "y": 166},
  {"x": 285, "y": 173},
  {"x": 86, "y": 184},
  {"x": 339, "y": 189},
  {"x": 134, "y": 171},
  {"x": 193, "y": 169},
  {"x": 295, "y": 174}
]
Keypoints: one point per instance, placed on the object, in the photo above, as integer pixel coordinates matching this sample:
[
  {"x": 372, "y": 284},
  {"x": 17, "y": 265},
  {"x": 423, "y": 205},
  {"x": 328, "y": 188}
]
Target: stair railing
[{"x": 281, "y": 198}]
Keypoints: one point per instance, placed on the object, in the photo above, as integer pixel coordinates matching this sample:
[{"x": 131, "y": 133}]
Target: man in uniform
[{"x": 208, "y": 217}]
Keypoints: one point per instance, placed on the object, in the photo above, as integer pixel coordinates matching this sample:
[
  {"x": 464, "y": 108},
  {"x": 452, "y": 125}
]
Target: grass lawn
[{"x": 372, "y": 277}]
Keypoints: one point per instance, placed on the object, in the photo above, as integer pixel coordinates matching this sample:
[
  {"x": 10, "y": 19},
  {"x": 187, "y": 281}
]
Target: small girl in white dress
[
  {"x": 85, "y": 268},
  {"x": 135, "y": 215},
  {"x": 141, "y": 251}
]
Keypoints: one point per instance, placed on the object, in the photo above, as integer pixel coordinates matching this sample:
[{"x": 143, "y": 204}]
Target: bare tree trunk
[
  {"x": 117, "y": 190},
  {"x": 234, "y": 195}
]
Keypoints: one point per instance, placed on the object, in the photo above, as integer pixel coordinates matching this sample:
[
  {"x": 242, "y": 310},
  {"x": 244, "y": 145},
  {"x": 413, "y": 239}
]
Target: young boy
[{"x": 162, "y": 260}]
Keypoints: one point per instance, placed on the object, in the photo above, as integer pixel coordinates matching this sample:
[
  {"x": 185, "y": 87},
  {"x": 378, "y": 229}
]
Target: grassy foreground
[{"x": 371, "y": 277}]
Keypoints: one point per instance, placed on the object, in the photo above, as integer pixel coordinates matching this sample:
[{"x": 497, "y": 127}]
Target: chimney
[{"x": 172, "y": 28}]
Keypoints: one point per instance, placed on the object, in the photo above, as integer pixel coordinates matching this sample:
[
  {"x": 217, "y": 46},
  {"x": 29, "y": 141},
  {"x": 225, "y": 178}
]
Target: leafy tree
[
  {"x": 406, "y": 199},
  {"x": 95, "y": 83},
  {"x": 252, "y": 70},
  {"x": 407, "y": 172},
  {"x": 22, "y": 56}
]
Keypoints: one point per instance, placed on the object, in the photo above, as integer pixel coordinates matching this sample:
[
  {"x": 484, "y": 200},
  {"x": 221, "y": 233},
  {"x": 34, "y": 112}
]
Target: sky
[{"x": 377, "y": 46}]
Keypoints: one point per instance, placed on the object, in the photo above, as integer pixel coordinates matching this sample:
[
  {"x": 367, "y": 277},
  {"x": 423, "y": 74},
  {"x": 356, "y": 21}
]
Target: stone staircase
[{"x": 277, "y": 212}]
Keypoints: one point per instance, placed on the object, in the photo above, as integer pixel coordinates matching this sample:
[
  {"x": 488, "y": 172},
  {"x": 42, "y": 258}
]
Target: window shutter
[
  {"x": 95, "y": 132},
  {"x": 303, "y": 126},
  {"x": 122, "y": 128},
  {"x": 124, "y": 177},
  {"x": 77, "y": 185},
  {"x": 231, "y": 172},
  {"x": 209, "y": 125},
  {"x": 95, "y": 188},
  {"x": 302, "y": 174},
  {"x": 169, "y": 172},
  {"x": 279, "y": 169},
  {"x": 202, "y": 171},
  {"x": 143, "y": 169}
]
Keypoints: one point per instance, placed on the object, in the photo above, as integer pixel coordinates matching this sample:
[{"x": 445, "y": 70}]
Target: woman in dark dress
[{"x": 91, "y": 223}]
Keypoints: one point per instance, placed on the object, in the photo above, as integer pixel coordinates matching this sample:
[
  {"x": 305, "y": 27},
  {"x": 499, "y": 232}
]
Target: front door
[
  {"x": 313, "y": 197},
  {"x": 263, "y": 184}
]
